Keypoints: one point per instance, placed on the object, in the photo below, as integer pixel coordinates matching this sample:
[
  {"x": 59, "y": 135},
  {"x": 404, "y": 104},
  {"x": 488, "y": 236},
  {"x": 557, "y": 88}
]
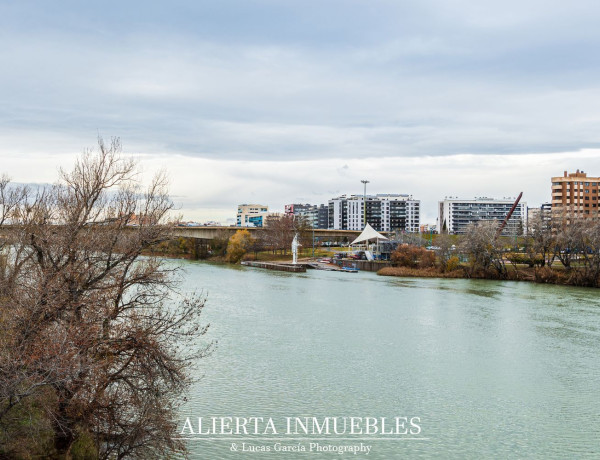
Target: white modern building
[
  {"x": 385, "y": 212},
  {"x": 251, "y": 215},
  {"x": 456, "y": 214}
]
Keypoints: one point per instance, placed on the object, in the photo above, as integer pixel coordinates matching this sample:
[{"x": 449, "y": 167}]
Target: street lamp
[
  {"x": 365, "y": 182},
  {"x": 313, "y": 229}
]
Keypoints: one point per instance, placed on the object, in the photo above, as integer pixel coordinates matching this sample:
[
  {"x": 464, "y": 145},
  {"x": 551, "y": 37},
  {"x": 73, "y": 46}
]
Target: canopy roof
[{"x": 369, "y": 233}]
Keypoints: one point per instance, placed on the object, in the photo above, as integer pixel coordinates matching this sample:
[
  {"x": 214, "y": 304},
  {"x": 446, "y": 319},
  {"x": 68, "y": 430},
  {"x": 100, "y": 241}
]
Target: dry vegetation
[
  {"x": 572, "y": 242},
  {"x": 94, "y": 353}
]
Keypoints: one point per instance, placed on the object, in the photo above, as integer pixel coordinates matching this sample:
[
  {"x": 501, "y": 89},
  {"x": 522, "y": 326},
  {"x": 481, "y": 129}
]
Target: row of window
[{"x": 586, "y": 184}]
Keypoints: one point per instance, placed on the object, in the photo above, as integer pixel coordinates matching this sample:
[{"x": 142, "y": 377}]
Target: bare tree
[
  {"x": 445, "y": 251},
  {"x": 483, "y": 247},
  {"x": 279, "y": 232},
  {"x": 303, "y": 227},
  {"x": 92, "y": 332},
  {"x": 587, "y": 232},
  {"x": 413, "y": 239},
  {"x": 12, "y": 199},
  {"x": 542, "y": 239},
  {"x": 568, "y": 241}
]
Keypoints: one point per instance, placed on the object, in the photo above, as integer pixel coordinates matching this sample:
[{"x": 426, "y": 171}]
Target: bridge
[
  {"x": 219, "y": 232},
  {"x": 210, "y": 233}
]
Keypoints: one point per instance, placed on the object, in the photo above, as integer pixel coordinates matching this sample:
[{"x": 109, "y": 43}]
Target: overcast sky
[{"x": 282, "y": 101}]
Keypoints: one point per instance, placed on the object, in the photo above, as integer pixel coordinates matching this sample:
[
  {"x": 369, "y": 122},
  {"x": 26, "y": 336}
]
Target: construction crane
[{"x": 505, "y": 221}]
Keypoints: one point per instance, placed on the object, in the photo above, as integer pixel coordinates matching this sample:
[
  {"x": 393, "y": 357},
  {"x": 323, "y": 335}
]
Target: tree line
[{"x": 572, "y": 242}]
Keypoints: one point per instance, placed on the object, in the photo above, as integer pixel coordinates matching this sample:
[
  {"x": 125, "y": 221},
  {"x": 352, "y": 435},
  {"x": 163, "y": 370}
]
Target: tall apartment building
[
  {"x": 301, "y": 210},
  {"x": 575, "y": 194},
  {"x": 251, "y": 215},
  {"x": 338, "y": 213},
  {"x": 544, "y": 212},
  {"x": 385, "y": 212},
  {"x": 323, "y": 216},
  {"x": 455, "y": 214},
  {"x": 316, "y": 216}
]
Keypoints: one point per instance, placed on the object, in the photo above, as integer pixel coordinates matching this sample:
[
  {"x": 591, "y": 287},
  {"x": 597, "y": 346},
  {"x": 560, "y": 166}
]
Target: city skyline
[
  {"x": 535, "y": 184},
  {"x": 276, "y": 102}
]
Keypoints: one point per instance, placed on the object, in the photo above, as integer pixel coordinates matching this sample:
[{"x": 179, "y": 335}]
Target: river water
[{"x": 491, "y": 369}]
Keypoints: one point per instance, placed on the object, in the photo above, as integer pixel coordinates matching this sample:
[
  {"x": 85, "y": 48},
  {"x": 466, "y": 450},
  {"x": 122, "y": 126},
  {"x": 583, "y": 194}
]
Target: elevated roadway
[{"x": 210, "y": 233}]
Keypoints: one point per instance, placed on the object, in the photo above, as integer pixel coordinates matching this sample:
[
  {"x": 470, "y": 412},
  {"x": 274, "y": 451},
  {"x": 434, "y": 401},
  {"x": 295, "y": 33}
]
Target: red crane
[{"x": 505, "y": 221}]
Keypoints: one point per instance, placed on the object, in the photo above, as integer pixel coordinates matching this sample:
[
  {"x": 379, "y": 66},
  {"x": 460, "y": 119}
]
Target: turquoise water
[{"x": 491, "y": 369}]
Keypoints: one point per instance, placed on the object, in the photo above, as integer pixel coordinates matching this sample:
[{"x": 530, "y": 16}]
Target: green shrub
[{"x": 84, "y": 447}]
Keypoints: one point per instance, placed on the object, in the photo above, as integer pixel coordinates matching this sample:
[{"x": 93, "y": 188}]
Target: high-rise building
[
  {"x": 575, "y": 194},
  {"x": 338, "y": 213},
  {"x": 455, "y": 214},
  {"x": 251, "y": 215},
  {"x": 316, "y": 216},
  {"x": 544, "y": 212},
  {"x": 384, "y": 212},
  {"x": 322, "y": 216}
]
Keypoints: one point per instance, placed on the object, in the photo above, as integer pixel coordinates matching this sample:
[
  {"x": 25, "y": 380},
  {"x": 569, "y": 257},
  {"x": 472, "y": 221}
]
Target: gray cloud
[
  {"x": 267, "y": 80},
  {"x": 278, "y": 102}
]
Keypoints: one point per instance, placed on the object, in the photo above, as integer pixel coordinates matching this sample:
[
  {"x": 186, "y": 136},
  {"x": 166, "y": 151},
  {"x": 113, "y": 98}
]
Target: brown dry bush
[
  {"x": 96, "y": 345},
  {"x": 413, "y": 257}
]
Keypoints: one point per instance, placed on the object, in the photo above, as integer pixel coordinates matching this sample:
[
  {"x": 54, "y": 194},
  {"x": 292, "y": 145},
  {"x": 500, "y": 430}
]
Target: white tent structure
[{"x": 368, "y": 233}]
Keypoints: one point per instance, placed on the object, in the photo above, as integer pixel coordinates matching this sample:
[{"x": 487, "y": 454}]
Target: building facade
[
  {"x": 316, "y": 216},
  {"x": 251, "y": 215},
  {"x": 338, "y": 213},
  {"x": 384, "y": 212},
  {"x": 575, "y": 195},
  {"x": 322, "y": 216},
  {"x": 544, "y": 213},
  {"x": 455, "y": 214}
]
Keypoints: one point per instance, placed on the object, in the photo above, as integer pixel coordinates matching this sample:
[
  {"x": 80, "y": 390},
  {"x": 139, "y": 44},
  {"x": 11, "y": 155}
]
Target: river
[{"x": 490, "y": 369}]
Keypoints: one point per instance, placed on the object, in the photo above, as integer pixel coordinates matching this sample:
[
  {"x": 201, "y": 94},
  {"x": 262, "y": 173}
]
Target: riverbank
[
  {"x": 419, "y": 273},
  {"x": 182, "y": 248},
  {"x": 542, "y": 275}
]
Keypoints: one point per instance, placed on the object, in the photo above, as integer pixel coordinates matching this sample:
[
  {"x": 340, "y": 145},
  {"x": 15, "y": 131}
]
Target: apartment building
[
  {"x": 338, "y": 213},
  {"x": 543, "y": 212},
  {"x": 384, "y": 212},
  {"x": 456, "y": 214},
  {"x": 575, "y": 194},
  {"x": 317, "y": 216}
]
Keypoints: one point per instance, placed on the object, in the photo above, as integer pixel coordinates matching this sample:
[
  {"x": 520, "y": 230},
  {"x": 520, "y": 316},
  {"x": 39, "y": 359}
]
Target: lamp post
[
  {"x": 313, "y": 229},
  {"x": 365, "y": 182}
]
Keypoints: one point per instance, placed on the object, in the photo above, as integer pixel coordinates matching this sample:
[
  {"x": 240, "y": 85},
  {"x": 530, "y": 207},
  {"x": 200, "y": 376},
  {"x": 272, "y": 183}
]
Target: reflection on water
[{"x": 493, "y": 369}]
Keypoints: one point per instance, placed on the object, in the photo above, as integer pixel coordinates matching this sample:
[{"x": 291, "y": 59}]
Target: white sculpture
[{"x": 295, "y": 245}]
